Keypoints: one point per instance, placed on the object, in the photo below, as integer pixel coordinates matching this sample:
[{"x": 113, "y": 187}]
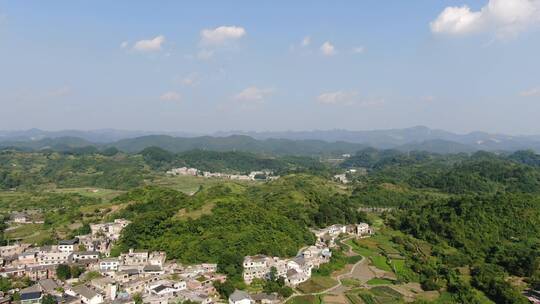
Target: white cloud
[
  {"x": 306, "y": 41},
  {"x": 150, "y": 45},
  {"x": 221, "y": 35},
  {"x": 359, "y": 50},
  {"x": 170, "y": 96},
  {"x": 328, "y": 49},
  {"x": 338, "y": 97},
  {"x": 253, "y": 95},
  {"x": 347, "y": 98},
  {"x": 503, "y": 17},
  {"x": 533, "y": 92},
  {"x": 124, "y": 44}
]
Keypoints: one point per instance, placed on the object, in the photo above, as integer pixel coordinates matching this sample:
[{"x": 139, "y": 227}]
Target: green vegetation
[
  {"x": 271, "y": 218},
  {"x": 64, "y": 272},
  {"x": 48, "y": 299},
  {"x": 317, "y": 284},
  {"x": 380, "y": 262},
  {"x": 376, "y": 295},
  {"x": 379, "y": 281},
  {"x": 307, "y": 299},
  {"x": 460, "y": 225}
]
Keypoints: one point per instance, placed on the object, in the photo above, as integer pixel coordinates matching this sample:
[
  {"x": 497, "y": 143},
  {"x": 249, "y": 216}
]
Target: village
[
  {"x": 264, "y": 175},
  {"x": 139, "y": 276}
]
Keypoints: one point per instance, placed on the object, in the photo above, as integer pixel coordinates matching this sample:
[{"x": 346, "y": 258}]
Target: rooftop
[
  {"x": 84, "y": 291},
  {"x": 239, "y": 295}
]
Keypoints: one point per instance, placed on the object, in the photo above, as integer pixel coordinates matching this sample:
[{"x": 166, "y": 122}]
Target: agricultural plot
[
  {"x": 380, "y": 281},
  {"x": 317, "y": 284},
  {"x": 308, "y": 299},
  {"x": 375, "y": 295},
  {"x": 28, "y": 233},
  {"x": 403, "y": 272},
  {"x": 191, "y": 184},
  {"x": 381, "y": 262}
]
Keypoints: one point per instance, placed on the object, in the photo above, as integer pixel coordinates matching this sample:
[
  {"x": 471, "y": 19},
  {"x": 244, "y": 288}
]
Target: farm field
[
  {"x": 191, "y": 184},
  {"x": 317, "y": 284}
]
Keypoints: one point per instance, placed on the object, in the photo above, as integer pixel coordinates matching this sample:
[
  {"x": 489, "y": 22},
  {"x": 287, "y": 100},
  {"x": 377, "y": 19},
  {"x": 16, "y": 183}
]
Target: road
[{"x": 350, "y": 252}]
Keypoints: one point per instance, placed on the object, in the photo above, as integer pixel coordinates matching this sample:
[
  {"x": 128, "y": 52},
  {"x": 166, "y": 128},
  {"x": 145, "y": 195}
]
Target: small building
[
  {"x": 49, "y": 286},
  {"x": 240, "y": 297},
  {"x": 68, "y": 245},
  {"x": 31, "y": 295},
  {"x": 87, "y": 295},
  {"x": 109, "y": 264},
  {"x": 134, "y": 257},
  {"x": 20, "y": 218},
  {"x": 265, "y": 298},
  {"x": 84, "y": 256}
]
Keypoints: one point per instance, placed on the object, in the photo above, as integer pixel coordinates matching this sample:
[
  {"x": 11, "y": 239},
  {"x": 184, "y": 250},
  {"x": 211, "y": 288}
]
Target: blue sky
[{"x": 203, "y": 66}]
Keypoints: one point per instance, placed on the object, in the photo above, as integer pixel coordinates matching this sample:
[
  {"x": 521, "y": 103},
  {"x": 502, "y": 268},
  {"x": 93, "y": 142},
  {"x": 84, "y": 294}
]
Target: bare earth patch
[{"x": 335, "y": 299}]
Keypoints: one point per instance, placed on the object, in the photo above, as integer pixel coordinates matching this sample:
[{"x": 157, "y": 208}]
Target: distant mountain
[
  {"x": 95, "y": 136},
  {"x": 57, "y": 144},
  {"x": 287, "y": 142},
  {"x": 408, "y": 137},
  {"x": 237, "y": 143},
  {"x": 438, "y": 146}
]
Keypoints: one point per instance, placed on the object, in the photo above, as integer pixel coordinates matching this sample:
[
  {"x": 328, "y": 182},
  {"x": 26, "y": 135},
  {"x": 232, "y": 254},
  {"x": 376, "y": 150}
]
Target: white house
[
  {"x": 255, "y": 267},
  {"x": 363, "y": 229},
  {"x": 110, "y": 264},
  {"x": 68, "y": 245},
  {"x": 87, "y": 295},
  {"x": 84, "y": 256},
  {"x": 20, "y": 218},
  {"x": 53, "y": 258}
]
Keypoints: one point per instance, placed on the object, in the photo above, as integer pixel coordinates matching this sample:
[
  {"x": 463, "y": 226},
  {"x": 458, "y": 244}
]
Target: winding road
[{"x": 350, "y": 252}]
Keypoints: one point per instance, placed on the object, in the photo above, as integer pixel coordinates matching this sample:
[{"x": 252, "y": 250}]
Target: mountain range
[{"x": 315, "y": 142}]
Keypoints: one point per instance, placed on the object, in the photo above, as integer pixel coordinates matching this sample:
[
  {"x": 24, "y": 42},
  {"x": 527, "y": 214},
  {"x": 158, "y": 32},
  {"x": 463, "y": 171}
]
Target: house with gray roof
[{"x": 240, "y": 297}]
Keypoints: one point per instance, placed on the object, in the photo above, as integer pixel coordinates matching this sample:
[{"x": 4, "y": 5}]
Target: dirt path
[{"x": 339, "y": 285}]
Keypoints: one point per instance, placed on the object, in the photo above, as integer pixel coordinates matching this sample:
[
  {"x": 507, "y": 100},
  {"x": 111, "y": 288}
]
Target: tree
[
  {"x": 273, "y": 273},
  {"x": 63, "y": 272},
  {"x": 138, "y": 298},
  {"x": 76, "y": 271},
  {"x": 224, "y": 289},
  {"x": 48, "y": 299},
  {"x": 285, "y": 291},
  {"x": 5, "y": 284}
]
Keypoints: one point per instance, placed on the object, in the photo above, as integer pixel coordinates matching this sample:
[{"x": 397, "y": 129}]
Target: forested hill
[
  {"x": 481, "y": 172},
  {"x": 230, "y": 162},
  {"x": 238, "y": 143},
  {"x": 479, "y": 213},
  {"x": 276, "y": 147},
  {"x": 224, "y": 223},
  {"x": 407, "y": 139},
  {"x": 116, "y": 170},
  {"x": 495, "y": 236}
]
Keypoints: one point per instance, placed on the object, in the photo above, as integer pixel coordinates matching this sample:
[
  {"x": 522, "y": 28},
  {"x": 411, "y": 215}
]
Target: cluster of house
[
  {"x": 147, "y": 274},
  {"x": 121, "y": 279},
  {"x": 115, "y": 279},
  {"x": 24, "y": 260},
  {"x": 327, "y": 236},
  {"x": 26, "y": 218},
  {"x": 344, "y": 177},
  {"x": 296, "y": 270},
  {"x": 254, "y": 175}
]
